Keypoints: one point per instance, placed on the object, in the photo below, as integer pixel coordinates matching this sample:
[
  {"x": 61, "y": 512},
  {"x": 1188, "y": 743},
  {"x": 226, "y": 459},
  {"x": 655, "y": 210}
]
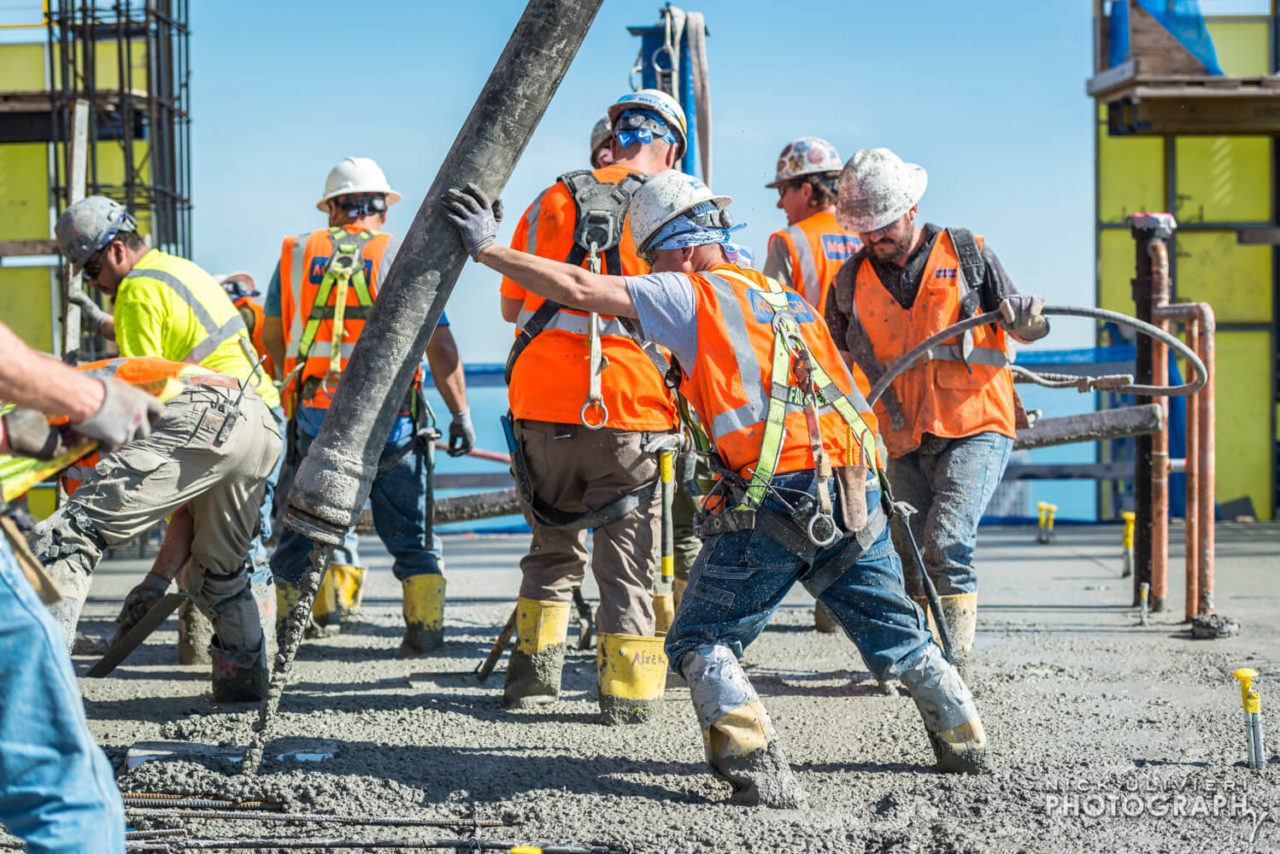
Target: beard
[{"x": 890, "y": 248}]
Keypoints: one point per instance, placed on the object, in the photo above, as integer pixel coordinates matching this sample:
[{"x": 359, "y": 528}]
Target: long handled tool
[
  {"x": 906, "y": 511},
  {"x": 133, "y": 638},
  {"x": 485, "y": 669}
]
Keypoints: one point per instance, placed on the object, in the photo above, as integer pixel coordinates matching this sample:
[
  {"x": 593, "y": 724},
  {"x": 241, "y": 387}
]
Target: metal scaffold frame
[{"x": 94, "y": 40}]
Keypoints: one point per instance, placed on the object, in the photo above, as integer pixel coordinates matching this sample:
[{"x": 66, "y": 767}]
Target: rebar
[
  {"x": 315, "y": 817},
  {"x": 284, "y": 843},
  {"x": 146, "y": 800}
]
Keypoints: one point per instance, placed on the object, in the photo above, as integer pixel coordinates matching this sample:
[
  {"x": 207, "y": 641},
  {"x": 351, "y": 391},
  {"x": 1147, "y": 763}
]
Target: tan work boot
[
  {"x": 960, "y": 610},
  {"x": 950, "y": 716},
  {"x": 423, "y": 615},
  {"x": 664, "y": 612},
  {"x": 631, "y": 674},
  {"x": 822, "y": 619},
  {"x": 537, "y": 663}
]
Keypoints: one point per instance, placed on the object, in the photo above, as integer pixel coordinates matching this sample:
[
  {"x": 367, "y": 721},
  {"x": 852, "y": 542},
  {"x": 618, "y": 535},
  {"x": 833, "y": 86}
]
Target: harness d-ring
[
  {"x": 823, "y": 530},
  {"x": 587, "y": 407}
]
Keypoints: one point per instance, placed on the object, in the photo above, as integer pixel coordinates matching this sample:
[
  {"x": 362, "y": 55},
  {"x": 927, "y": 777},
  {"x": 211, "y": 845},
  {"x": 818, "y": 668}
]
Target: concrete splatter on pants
[
  {"x": 205, "y": 452},
  {"x": 683, "y": 511},
  {"x": 575, "y": 469},
  {"x": 949, "y": 482}
]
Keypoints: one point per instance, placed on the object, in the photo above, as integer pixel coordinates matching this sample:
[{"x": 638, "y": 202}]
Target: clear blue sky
[{"x": 988, "y": 97}]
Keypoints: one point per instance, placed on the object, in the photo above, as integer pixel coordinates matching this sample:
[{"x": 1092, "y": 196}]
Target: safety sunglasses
[{"x": 93, "y": 266}]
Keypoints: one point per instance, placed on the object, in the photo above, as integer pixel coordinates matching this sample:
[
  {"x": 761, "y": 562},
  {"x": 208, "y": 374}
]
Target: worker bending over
[
  {"x": 57, "y": 792},
  {"x": 320, "y": 296},
  {"x": 761, "y": 370},
  {"x": 582, "y": 426},
  {"x": 949, "y": 420}
]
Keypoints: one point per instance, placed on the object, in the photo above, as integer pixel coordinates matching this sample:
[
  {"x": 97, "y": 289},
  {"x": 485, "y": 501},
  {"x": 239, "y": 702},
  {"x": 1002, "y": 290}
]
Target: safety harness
[
  {"x": 601, "y": 210},
  {"x": 969, "y": 281},
  {"x": 345, "y": 270}
]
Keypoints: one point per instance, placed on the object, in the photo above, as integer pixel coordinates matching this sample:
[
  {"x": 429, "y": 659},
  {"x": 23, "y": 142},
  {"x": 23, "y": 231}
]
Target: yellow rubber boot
[
  {"x": 537, "y": 663},
  {"x": 423, "y": 615},
  {"x": 631, "y": 673},
  {"x": 324, "y": 608},
  {"x": 340, "y": 593}
]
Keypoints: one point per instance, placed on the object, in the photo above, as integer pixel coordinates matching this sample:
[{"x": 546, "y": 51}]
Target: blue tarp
[{"x": 1183, "y": 20}]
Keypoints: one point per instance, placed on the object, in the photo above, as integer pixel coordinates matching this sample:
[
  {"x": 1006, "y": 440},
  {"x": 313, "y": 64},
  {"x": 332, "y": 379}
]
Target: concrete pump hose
[{"x": 905, "y": 361}]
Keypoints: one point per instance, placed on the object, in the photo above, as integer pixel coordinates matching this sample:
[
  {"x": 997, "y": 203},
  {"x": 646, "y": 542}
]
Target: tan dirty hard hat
[{"x": 876, "y": 188}]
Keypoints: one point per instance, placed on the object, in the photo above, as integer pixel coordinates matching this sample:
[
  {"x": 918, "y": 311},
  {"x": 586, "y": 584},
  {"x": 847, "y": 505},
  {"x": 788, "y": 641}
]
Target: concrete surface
[{"x": 1107, "y": 735}]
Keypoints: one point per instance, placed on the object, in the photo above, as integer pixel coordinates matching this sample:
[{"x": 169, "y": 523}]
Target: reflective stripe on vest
[
  {"x": 297, "y": 268},
  {"x": 578, "y": 324},
  {"x": 810, "y": 288},
  {"x": 531, "y": 218},
  {"x": 215, "y": 333}
]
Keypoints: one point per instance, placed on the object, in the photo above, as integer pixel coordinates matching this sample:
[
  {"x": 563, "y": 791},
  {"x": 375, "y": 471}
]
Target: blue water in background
[{"x": 1076, "y": 499}]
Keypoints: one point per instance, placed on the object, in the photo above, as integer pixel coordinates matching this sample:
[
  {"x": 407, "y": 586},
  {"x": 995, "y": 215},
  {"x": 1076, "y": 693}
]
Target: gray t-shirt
[{"x": 667, "y": 314}]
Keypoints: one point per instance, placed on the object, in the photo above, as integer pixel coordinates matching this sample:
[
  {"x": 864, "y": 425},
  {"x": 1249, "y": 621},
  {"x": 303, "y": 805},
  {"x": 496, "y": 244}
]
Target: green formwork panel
[
  {"x": 26, "y": 304},
  {"x": 24, "y": 191},
  {"x": 1242, "y": 406}
]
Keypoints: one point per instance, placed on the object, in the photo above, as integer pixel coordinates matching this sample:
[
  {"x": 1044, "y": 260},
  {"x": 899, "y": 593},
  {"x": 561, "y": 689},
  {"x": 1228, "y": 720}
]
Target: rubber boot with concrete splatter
[
  {"x": 423, "y": 615},
  {"x": 537, "y": 663},
  {"x": 741, "y": 745},
  {"x": 339, "y": 595},
  {"x": 239, "y": 676},
  {"x": 631, "y": 675},
  {"x": 287, "y": 597},
  {"x": 950, "y": 716}
]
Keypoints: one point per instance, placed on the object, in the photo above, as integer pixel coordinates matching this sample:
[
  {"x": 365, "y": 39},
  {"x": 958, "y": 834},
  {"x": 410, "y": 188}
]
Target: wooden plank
[
  {"x": 17, "y": 248},
  {"x": 1092, "y": 426},
  {"x": 1258, "y": 236},
  {"x": 1069, "y": 471},
  {"x": 1111, "y": 78}
]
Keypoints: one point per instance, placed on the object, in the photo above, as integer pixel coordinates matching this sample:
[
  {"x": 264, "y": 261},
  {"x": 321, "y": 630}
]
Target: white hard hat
[
  {"x": 600, "y": 134},
  {"x": 659, "y": 102},
  {"x": 355, "y": 175},
  {"x": 808, "y": 155},
  {"x": 877, "y": 187},
  {"x": 664, "y": 197},
  {"x": 89, "y": 225},
  {"x": 238, "y": 284}
]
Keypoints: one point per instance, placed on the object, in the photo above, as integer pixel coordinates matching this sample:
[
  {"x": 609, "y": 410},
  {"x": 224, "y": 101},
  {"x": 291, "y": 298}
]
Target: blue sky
[{"x": 988, "y": 97}]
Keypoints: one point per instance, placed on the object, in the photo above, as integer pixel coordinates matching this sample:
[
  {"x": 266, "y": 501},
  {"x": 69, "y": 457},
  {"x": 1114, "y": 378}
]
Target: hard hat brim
[
  {"x": 721, "y": 202},
  {"x": 778, "y": 182},
  {"x": 323, "y": 204},
  {"x": 917, "y": 180}
]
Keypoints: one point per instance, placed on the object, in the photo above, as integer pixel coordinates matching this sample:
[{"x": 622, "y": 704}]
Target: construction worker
[
  {"x": 782, "y": 413},
  {"x": 581, "y": 427},
  {"x": 806, "y": 254},
  {"x": 243, "y": 293},
  {"x": 57, "y": 791},
  {"x": 601, "y": 144},
  {"x": 319, "y": 298},
  {"x": 166, "y": 308},
  {"x": 948, "y": 421}
]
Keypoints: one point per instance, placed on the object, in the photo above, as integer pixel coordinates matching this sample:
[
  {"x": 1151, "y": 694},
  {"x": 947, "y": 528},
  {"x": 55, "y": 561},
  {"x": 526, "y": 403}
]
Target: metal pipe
[
  {"x": 335, "y": 477},
  {"x": 1159, "y": 254},
  {"x": 1191, "y": 455}
]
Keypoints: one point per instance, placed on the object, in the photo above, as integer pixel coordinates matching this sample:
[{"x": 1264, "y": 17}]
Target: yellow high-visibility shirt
[{"x": 168, "y": 307}]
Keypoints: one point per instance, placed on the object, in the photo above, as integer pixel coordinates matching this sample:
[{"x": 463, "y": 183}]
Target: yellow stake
[{"x": 1250, "y": 699}]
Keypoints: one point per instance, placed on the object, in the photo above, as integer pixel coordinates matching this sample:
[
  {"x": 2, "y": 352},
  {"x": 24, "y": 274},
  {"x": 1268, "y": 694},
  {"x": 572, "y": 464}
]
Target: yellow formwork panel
[
  {"x": 1130, "y": 175},
  {"x": 1223, "y": 178},
  {"x": 1115, "y": 270},
  {"x": 24, "y": 191},
  {"x": 24, "y": 67},
  {"x": 1241, "y": 47},
  {"x": 1236, "y": 280},
  {"x": 1243, "y": 444},
  {"x": 26, "y": 304},
  {"x": 106, "y": 65}
]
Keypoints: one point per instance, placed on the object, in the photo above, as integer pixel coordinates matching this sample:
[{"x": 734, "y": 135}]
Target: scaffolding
[{"x": 130, "y": 61}]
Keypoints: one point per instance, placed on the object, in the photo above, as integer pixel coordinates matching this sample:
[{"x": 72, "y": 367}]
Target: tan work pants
[
  {"x": 586, "y": 470},
  {"x": 193, "y": 457}
]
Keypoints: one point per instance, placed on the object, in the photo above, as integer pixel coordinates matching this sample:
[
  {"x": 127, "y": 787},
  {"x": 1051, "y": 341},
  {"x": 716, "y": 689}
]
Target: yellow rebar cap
[{"x": 1249, "y": 696}]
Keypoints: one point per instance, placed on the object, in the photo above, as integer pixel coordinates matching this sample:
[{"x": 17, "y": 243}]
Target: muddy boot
[
  {"x": 741, "y": 746},
  {"x": 239, "y": 676},
  {"x": 423, "y": 615},
  {"x": 287, "y": 596},
  {"x": 66, "y": 611},
  {"x": 631, "y": 674},
  {"x": 950, "y": 717},
  {"x": 822, "y": 619},
  {"x": 678, "y": 587},
  {"x": 195, "y": 634},
  {"x": 961, "y": 613},
  {"x": 664, "y": 612},
  {"x": 264, "y": 598},
  {"x": 339, "y": 595},
  {"x": 537, "y": 663}
]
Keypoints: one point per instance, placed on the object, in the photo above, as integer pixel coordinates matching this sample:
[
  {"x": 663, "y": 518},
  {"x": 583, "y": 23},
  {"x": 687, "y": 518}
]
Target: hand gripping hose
[{"x": 906, "y": 360}]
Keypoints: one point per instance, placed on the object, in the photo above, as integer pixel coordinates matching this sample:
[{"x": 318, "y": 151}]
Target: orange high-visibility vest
[
  {"x": 304, "y": 262},
  {"x": 251, "y": 311},
  {"x": 940, "y": 394},
  {"x": 817, "y": 246},
  {"x": 731, "y": 382},
  {"x": 549, "y": 381},
  {"x": 136, "y": 371}
]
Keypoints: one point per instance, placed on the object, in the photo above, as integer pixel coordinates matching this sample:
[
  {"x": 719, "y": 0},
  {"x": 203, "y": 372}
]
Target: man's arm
[
  {"x": 446, "y": 369},
  {"x": 37, "y": 381},
  {"x": 777, "y": 263},
  {"x": 511, "y": 309},
  {"x": 273, "y": 340}
]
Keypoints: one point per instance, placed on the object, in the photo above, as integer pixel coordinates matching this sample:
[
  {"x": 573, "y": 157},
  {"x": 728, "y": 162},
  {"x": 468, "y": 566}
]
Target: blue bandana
[
  {"x": 696, "y": 227},
  {"x": 642, "y": 126}
]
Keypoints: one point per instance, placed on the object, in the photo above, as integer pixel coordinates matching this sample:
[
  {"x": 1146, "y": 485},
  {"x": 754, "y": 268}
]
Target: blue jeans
[
  {"x": 740, "y": 578},
  {"x": 258, "y": 562},
  {"x": 949, "y": 482},
  {"x": 402, "y": 508},
  {"x": 57, "y": 792}
]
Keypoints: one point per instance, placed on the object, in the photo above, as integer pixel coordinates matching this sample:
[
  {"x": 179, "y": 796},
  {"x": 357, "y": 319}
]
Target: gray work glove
[
  {"x": 1020, "y": 314},
  {"x": 30, "y": 434},
  {"x": 475, "y": 216},
  {"x": 462, "y": 434},
  {"x": 126, "y": 414},
  {"x": 140, "y": 600},
  {"x": 90, "y": 312}
]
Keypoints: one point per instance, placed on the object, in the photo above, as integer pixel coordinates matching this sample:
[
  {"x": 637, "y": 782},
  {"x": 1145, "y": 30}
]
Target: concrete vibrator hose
[{"x": 900, "y": 365}]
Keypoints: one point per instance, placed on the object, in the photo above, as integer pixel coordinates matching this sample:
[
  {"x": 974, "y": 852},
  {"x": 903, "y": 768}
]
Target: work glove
[
  {"x": 1020, "y": 314},
  {"x": 462, "y": 434},
  {"x": 126, "y": 414},
  {"x": 475, "y": 216},
  {"x": 140, "y": 600},
  {"x": 30, "y": 434},
  {"x": 90, "y": 312}
]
